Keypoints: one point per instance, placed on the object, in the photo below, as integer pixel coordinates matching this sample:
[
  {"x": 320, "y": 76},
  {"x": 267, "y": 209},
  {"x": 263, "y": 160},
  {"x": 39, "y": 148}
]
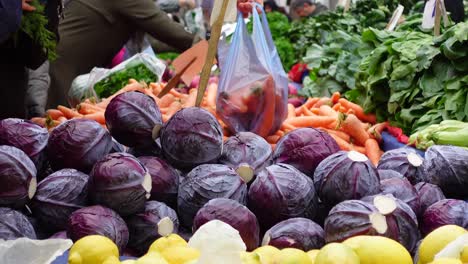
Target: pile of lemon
[{"x": 445, "y": 245}]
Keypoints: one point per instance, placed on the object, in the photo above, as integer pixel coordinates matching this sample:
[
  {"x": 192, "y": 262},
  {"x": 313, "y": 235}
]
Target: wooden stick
[
  {"x": 210, "y": 56},
  {"x": 437, "y": 18}
]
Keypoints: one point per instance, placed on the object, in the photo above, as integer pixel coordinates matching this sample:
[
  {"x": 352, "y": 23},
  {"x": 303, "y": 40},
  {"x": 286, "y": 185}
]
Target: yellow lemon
[
  {"x": 336, "y": 253},
  {"x": 152, "y": 258},
  {"x": 250, "y": 258},
  {"x": 292, "y": 256},
  {"x": 267, "y": 254},
  {"x": 129, "y": 261},
  {"x": 446, "y": 261},
  {"x": 313, "y": 254},
  {"x": 172, "y": 240},
  {"x": 464, "y": 254},
  {"x": 437, "y": 240},
  {"x": 180, "y": 255},
  {"x": 94, "y": 250},
  {"x": 379, "y": 250}
]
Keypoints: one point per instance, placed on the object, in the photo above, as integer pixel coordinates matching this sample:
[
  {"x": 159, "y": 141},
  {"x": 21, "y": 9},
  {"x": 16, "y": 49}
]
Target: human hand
[
  {"x": 245, "y": 6},
  {"x": 26, "y": 6}
]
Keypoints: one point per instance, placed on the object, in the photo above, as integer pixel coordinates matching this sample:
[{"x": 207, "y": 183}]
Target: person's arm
[{"x": 152, "y": 20}]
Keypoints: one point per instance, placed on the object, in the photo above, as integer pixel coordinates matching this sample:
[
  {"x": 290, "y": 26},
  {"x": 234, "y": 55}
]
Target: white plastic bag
[{"x": 29, "y": 251}]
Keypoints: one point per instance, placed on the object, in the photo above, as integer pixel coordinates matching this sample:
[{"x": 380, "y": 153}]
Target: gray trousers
[{"x": 36, "y": 94}]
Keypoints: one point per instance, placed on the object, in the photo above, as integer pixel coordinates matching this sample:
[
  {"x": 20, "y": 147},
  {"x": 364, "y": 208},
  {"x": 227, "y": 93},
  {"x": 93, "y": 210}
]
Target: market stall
[{"x": 359, "y": 154}]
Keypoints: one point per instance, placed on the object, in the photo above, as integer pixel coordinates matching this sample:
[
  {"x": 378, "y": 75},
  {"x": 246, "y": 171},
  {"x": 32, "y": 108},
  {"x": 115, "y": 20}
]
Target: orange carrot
[
  {"x": 353, "y": 126},
  {"x": 133, "y": 86},
  {"x": 322, "y": 101},
  {"x": 326, "y": 110},
  {"x": 212, "y": 90},
  {"x": 39, "y": 120},
  {"x": 86, "y": 109},
  {"x": 341, "y": 143},
  {"x": 166, "y": 100},
  {"x": 315, "y": 111},
  {"x": 165, "y": 118},
  {"x": 373, "y": 151},
  {"x": 54, "y": 113},
  {"x": 376, "y": 130},
  {"x": 273, "y": 139},
  {"x": 307, "y": 112},
  {"x": 279, "y": 133},
  {"x": 335, "y": 97},
  {"x": 285, "y": 126},
  {"x": 97, "y": 116},
  {"x": 176, "y": 93},
  {"x": 291, "y": 111},
  {"x": 225, "y": 138},
  {"x": 336, "y": 107},
  {"x": 273, "y": 146},
  {"x": 68, "y": 112},
  {"x": 311, "y": 121},
  {"x": 173, "y": 108},
  {"x": 190, "y": 102},
  {"x": 338, "y": 133},
  {"x": 359, "y": 149},
  {"x": 62, "y": 119},
  {"x": 359, "y": 112},
  {"x": 265, "y": 123},
  {"x": 310, "y": 102},
  {"x": 298, "y": 111}
]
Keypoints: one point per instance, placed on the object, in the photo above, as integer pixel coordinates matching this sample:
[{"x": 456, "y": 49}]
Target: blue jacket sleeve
[{"x": 10, "y": 17}]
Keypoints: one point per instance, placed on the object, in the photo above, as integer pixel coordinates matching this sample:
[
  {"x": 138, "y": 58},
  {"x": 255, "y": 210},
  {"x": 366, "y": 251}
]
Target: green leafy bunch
[{"x": 34, "y": 24}]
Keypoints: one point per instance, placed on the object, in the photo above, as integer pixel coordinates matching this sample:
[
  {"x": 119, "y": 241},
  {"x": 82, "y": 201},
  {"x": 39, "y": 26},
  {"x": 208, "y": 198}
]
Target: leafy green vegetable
[
  {"x": 34, "y": 25},
  {"x": 114, "y": 82}
]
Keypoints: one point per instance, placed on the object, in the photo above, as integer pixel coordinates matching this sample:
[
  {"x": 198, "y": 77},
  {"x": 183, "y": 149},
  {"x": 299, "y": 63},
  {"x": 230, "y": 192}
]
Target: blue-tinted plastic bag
[{"x": 253, "y": 88}]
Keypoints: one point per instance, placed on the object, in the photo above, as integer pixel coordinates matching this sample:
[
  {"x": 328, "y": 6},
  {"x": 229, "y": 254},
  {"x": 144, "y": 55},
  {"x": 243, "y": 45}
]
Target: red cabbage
[
  {"x": 98, "y": 220},
  {"x": 300, "y": 233},
  {"x": 304, "y": 149},
  {"x": 402, "y": 189},
  {"x": 14, "y": 224},
  {"x": 58, "y": 196},
  {"x": 401, "y": 221},
  {"x": 344, "y": 176},
  {"x": 60, "y": 235},
  {"x": 381, "y": 215},
  {"x": 165, "y": 180},
  {"x": 281, "y": 192},
  {"x": 247, "y": 153},
  {"x": 155, "y": 221},
  {"x": 25, "y": 135},
  {"x": 133, "y": 119},
  {"x": 428, "y": 195},
  {"x": 388, "y": 174},
  {"x": 192, "y": 137},
  {"x": 233, "y": 213},
  {"x": 120, "y": 182},
  {"x": 17, "y": 177},
  {"x": 447, "y": 167},
  {"x": 405, "y": 161},
  {"x": 78, "y": 144},
  {"x": 207, "y": 182},
  {"x": 445, "y": 212}
]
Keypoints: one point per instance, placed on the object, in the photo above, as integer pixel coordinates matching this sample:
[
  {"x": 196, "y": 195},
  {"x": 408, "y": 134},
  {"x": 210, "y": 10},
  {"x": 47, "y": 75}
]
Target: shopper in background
[
  {"x": 94, "y": 31},
  {"x": 307, "y": 8},
  {"x": 18, "y": 53}
]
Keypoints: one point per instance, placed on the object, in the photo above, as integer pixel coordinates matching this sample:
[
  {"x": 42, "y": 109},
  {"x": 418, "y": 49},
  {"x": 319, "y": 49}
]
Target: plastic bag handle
[
  {"x": 241, "y": 30},
  {"x": 264, "y": 22}
]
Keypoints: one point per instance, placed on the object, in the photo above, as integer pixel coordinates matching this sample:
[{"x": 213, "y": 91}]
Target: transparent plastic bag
[
  {"x": 103, "y": 83},
  {"x": 29, "y": 251},
  {"x": 253, "y": 89}
]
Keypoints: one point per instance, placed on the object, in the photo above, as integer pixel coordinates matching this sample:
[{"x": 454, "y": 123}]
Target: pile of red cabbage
[
  {"x": 207, "y": 182},
  {"x": 78, "y": 144},
  {"x": 192, "y": 137},
  {"x": 58, "y": 196},
  {"x": 247, "y": 153},
  {"x": 17, "y": 177},
  {"x": 121, "y": 182},
  {"x": 304, "y": 149},
  {"x": 344, "y": 176},
  {"x": 133, "y": 119},
  {"x": 281, "y": 192}
]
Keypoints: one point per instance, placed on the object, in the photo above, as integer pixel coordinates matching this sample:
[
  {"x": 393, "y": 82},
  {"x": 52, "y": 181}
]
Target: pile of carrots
[{"x": 343, "y": 120}]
